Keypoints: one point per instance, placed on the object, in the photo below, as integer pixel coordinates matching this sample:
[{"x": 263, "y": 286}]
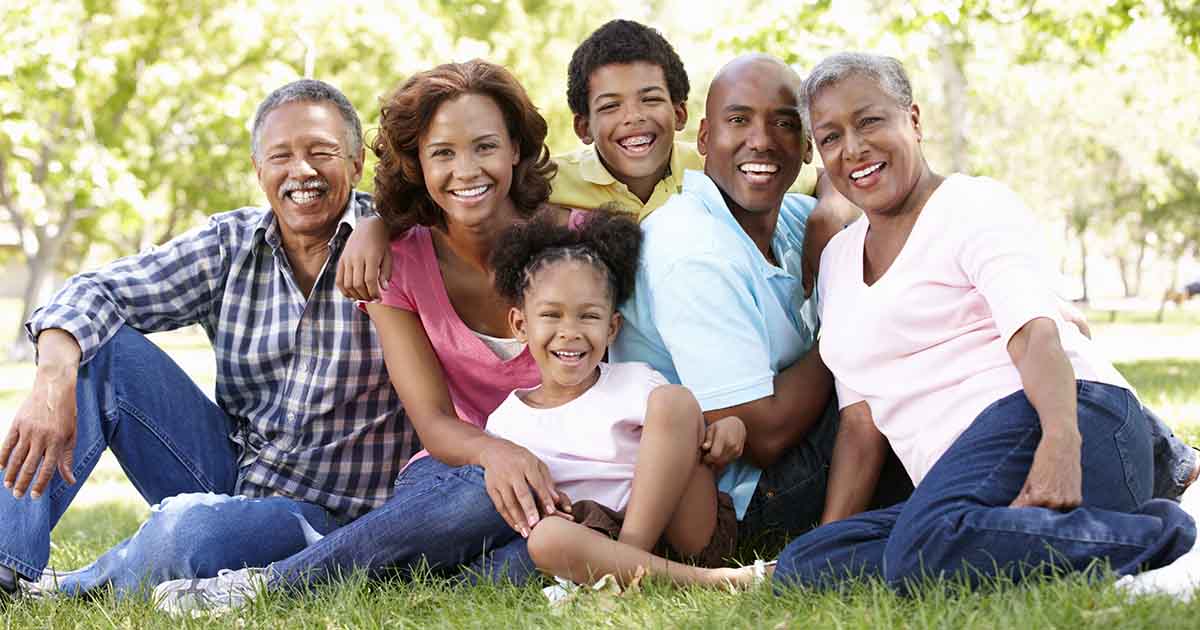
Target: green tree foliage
[
  {"x": 125, "y": 122},
  {"x": 108, "y": 118},
  {"x": 122, "y": 123},
  {"x": 1071, "y": 102}
]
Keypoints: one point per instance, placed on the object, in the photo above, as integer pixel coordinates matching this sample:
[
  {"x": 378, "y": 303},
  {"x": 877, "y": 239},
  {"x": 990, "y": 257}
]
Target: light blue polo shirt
[{"x": 709, "y": 312}]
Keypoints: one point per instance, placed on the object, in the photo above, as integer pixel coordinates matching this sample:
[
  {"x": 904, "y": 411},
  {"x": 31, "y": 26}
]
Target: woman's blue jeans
[
  {"x": 958, "y": 525},
  {"x": 440, "y": 518}
]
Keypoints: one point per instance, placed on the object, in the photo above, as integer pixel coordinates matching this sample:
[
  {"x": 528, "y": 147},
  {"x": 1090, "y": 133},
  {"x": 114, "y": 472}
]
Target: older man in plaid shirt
[{"x": 306, "y": 433}]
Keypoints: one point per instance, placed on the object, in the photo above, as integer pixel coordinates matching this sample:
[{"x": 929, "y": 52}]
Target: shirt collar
[
  {"x": 594, "y": 171},
  {"x": 359, "y": 205},
  {"x": 705, "y": 189}
]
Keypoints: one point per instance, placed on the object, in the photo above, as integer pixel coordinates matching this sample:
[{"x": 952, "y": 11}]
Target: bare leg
[
  {"x": 694, "y": 521},
  {"x": 668, "y": 467},
  {"x": 574, "y": 552}
]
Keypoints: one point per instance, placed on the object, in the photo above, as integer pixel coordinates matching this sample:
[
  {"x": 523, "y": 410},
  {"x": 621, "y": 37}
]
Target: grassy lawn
[{"x": 1161, "y": 360}]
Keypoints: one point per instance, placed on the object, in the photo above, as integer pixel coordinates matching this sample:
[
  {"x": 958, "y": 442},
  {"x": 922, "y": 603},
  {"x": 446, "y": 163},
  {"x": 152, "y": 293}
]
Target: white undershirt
[{"x": 504, "y": 348}]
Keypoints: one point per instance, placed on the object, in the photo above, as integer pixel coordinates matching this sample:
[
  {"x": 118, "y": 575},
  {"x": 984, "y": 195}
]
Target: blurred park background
[{"x": 126, "y": 122}]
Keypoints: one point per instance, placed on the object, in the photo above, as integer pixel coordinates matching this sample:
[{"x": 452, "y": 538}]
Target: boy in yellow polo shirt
[{"x": 628, "y": 89}]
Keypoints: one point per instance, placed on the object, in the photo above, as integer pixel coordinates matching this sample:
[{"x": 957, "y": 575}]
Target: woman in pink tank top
[{"x": 462, "y": 159}]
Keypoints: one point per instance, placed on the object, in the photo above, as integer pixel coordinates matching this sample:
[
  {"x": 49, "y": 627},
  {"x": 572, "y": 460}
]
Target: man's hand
[
  {"x": 1055, "y": 479},
  {"x": 43, "y": 431},
  {"x": 832, "y": 213},
  {"x": 723, "y": 441},
  {"x": 510, "y": 471},
  {"x": 1075, "y": 316},
  {"x": 365, "y": 267}
]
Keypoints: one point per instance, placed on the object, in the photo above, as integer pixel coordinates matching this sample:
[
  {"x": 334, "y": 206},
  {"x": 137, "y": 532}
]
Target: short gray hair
[
  {"x": 312, "y": 91},
  {"x": 887, "y": 72}
]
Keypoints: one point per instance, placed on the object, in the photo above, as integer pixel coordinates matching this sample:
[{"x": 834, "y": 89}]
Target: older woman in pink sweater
[{"x": 1029, "y": 452}]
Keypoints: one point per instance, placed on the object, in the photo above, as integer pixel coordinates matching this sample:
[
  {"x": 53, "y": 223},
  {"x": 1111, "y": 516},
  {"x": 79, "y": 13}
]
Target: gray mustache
[{"x": 294, "y": 184}]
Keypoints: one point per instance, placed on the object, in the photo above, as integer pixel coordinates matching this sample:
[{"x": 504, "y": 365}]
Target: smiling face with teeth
[
  {"x": 568, "y": 319},
  {"x": 752, "y": 136},
  {"x": 870, "y": 144},
  {"x": 467, "y": 159},
  {"x": 305, "y": 168},
  {"x": 633, "y": 122}
]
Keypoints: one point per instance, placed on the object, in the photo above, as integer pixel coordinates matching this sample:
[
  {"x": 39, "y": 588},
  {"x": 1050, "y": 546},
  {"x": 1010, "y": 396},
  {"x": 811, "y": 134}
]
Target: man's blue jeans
[
  {"x": 171, "y": 440},
  {"x": 440, "y": 517},
  {"x": 957, "y": 523}
]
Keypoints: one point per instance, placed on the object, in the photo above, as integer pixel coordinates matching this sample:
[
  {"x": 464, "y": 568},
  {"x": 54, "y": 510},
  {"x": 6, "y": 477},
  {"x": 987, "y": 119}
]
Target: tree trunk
[
  {"x": 173, "y": 216},
  {"x": 1083, "y": 264},
  {"x": 1126, "y": 283},
  {"x": 1139, "y": 265},
  {"x": 952, "y": 59},
  {"x": 41, "y": 267},
  {"x": 40, "y": 270},
  {"x": 1162, "y": 307}
]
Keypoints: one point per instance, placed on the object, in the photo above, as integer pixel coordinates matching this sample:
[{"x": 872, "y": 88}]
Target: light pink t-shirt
[
  {"x": 926, "y": 345},
  {"x": 589, "y": 444}
]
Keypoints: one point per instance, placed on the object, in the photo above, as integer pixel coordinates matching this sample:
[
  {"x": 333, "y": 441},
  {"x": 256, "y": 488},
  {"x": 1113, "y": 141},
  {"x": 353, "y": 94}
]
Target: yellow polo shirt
[{"x": 583, "y": 181}]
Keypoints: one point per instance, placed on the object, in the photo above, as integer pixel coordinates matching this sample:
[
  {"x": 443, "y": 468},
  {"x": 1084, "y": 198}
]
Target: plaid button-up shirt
[{"x": 304, "y": 379}]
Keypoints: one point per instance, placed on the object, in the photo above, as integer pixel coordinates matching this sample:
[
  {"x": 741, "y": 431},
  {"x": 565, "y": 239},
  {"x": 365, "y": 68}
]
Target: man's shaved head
[{"x": 729, "y": 74}]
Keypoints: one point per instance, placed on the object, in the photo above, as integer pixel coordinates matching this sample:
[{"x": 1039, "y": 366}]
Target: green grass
[
  {"x": 1159, "y": 359},
  {"x": 1173, "y": 316},
  {"x": 1069, "y": 602}
]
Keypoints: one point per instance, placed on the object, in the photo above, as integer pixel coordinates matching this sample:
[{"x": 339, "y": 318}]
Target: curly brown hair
[
  {"x": 400, "y": 194},
  {"x": 610, "y": 242}
]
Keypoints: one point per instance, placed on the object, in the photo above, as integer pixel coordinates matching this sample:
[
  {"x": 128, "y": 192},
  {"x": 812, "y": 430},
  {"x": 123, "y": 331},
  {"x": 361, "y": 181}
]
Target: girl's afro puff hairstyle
[{"x": 610, "y": 241}]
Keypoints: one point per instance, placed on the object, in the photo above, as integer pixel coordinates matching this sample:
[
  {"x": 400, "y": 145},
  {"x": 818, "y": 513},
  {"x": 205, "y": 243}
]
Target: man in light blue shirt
[{"x": 719, "y": 305}]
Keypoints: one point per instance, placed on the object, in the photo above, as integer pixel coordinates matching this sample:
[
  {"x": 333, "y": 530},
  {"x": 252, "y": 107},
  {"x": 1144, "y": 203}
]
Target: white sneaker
[
  {"x": 48, "y": 585},
  {"x": 1181, "y": 578},
  {"x": 228, "y": 591},
  {"x": 560, "y": 590}
]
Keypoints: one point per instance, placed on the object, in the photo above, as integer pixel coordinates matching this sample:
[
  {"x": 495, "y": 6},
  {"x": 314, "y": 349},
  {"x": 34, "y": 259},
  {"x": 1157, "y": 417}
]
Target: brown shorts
[{"x": 719, "y": 549}]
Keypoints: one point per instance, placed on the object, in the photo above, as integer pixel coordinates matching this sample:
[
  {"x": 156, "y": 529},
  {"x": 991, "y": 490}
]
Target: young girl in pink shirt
[{"x": 631, "y": 450}]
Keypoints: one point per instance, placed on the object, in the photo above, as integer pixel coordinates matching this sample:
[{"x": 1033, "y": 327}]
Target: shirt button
[{"x": 291, "y": 417}]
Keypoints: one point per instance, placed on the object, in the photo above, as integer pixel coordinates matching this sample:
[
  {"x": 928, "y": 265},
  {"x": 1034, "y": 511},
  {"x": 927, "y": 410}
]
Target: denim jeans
[
  {"x": 790, "y": 496},
  {"x": 1174, "y": 461},
  {"x": 440, "y": 517},
  {"x": 171, "y": 440},
  {"x": 957, "y": 524}
]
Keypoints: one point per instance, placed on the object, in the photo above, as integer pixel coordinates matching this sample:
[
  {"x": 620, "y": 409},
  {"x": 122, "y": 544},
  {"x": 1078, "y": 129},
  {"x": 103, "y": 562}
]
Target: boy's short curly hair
[
  {"x": 400, "y": 194},
  {"x": 609, "y": 241},
  {"x": 623, "y": 41}
]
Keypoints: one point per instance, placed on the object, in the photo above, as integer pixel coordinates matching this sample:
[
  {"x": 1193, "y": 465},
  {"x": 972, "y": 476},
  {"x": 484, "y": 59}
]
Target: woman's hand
[
  {"x": 510, "y": 471},
  {"x": 723, "y": 441},
  {"x": 365, "y": 266},
  {"x": 1055, "y": 479}
]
